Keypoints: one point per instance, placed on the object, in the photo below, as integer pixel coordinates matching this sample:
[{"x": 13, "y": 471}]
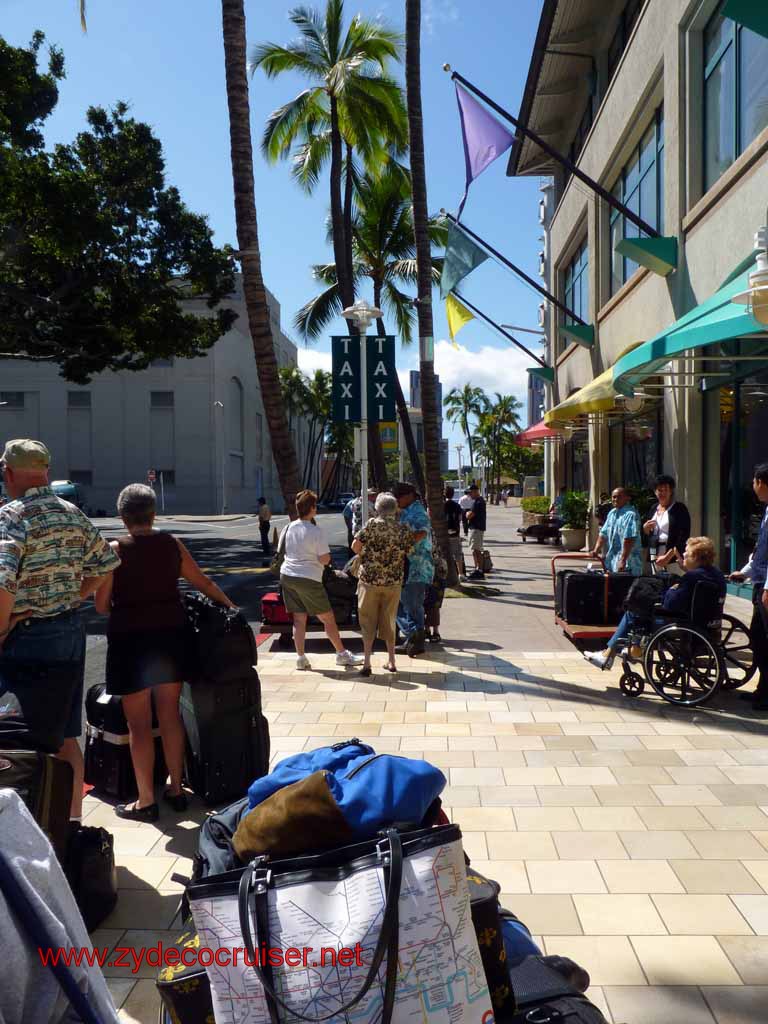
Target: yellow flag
[{"x": 458, "y": 315}]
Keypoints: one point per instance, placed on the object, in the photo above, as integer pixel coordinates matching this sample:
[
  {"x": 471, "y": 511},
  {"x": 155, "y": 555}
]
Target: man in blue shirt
[
  {"x": 756, "y": 570},
  {"x": 621, "y": 536},
  {"x": 421, "y": 570}
]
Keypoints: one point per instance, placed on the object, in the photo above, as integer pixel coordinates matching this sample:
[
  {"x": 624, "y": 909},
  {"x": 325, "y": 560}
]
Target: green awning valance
[{"x": 715, "y": 320}]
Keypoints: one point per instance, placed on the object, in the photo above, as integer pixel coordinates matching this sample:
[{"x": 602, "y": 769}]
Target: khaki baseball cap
[{"x": 24, "y": 453}]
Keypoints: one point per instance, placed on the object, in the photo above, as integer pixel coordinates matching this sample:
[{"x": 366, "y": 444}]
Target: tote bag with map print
[{"x": 377, "y": 932}]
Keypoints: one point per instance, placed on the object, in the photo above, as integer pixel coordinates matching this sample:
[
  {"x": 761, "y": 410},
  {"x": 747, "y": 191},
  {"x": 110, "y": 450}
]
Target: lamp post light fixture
[
  {"x": 362, "y": 315},
  {"x": 459, "y": 450},
  {"x": 756, "y": 296}
]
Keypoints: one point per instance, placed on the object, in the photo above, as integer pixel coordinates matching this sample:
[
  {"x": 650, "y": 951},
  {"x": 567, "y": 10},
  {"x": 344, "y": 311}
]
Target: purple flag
[{"x": 485, "y": 138}]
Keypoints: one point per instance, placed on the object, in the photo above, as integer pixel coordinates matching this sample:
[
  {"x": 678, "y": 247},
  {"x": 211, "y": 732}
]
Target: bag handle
[
  {"x": 35, "y": 928},
  {"x": 254, "y": 885}
]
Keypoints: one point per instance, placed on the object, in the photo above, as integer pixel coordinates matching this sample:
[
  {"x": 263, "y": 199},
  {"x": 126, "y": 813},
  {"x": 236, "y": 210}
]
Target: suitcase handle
[{"x": 580, "y": 556}]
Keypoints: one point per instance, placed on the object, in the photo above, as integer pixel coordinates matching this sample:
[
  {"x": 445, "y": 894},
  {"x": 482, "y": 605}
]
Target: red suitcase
[{"x": 273, "y": 610}]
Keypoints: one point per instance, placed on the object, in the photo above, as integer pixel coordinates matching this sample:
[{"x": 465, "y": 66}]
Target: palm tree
[
  {"x": 497, "y": 426},
  {"x": 383, "y": 252},
  {"x": 254, "y": 293},
  {"x": 460, "y": 404},
  {"x": 349, "y": 91},
  {"x": 424, "y": 278}
]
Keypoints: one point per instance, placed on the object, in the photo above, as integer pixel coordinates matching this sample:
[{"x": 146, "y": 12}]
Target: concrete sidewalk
[{"x": 632, "y": 837}]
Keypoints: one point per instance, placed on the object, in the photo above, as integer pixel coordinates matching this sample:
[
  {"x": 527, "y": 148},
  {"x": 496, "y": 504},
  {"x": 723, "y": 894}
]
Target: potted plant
[{"x": 575, "y": 509}]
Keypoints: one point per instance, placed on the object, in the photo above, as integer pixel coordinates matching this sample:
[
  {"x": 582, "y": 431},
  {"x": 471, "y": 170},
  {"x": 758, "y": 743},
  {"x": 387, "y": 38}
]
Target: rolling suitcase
[
  {"x": 44, "y": 783},
  {"x": 273, "y": 610},
  {"x": 227, "y": 735},
  {"x": 619, "y": 585},
  {"x": 580, "y": 597},
  {"x": 224, "y": 647},
  {"x": 108, "y": 765}
]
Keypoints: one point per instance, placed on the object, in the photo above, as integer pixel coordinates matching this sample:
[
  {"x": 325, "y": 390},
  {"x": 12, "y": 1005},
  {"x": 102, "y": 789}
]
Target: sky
[{"x": 165, "y": 58}]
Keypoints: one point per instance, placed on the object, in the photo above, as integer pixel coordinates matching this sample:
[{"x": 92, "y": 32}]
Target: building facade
[
  {"x": 414, "y": 409},
  {"x": 664, "y": 103},
  {"x": 198, "y": 423}
]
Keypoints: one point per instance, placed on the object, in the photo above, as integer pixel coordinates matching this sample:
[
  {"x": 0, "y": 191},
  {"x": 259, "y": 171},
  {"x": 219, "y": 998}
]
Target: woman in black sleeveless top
[{"x": 148, "y": 643}]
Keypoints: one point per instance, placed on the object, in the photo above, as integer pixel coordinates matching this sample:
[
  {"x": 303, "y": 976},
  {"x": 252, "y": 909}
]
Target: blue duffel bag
[{"x": 334, "y": 795}]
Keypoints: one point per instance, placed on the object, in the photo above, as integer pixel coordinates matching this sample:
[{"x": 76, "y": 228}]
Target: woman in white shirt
[
  {"x": 305, "y": 554},
  {"x": 668, "y": 527}
]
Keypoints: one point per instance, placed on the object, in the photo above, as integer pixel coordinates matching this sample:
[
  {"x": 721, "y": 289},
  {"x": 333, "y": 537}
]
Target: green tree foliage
[
  {"x": 96, "y": 250},
  {"x": 461, "y": 405},
  {"x": 497, "y": 427}
]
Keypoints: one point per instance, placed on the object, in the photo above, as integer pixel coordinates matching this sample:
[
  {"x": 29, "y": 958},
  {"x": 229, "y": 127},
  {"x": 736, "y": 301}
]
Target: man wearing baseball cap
[{"x": 51, "y": 559}]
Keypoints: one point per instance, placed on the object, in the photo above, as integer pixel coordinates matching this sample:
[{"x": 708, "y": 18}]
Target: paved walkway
[{"x": 632, "y": 837}]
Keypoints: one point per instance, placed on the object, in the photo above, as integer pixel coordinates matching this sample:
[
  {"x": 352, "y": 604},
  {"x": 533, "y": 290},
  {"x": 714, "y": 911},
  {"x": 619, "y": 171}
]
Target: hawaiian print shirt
[
  {"x": 622, "y": 524},
  {"x": 385, "y": 545},
  {"x": 420, "y": 566},
  {"x": 47, "y": 548}
]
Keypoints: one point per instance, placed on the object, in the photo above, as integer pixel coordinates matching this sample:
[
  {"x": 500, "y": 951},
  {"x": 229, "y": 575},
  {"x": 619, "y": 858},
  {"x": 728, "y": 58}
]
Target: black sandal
[
  {"x": 178, "y": 801},
  {"x": 131, "y": 812}
]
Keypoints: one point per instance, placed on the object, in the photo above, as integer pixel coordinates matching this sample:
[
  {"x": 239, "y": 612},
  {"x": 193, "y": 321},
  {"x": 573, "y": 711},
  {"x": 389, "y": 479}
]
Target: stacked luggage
[
  {"x": 372, "y": 825},
  {"x": 591, "y": 597},
  {"x": 341, "y": 588}
]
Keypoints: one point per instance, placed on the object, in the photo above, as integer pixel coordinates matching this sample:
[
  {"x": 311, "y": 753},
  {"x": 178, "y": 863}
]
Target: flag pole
[
  {"x": 514, "y": 268},
  {"x": 556, "y": 155},
  {"x": 501, "y": 330}
]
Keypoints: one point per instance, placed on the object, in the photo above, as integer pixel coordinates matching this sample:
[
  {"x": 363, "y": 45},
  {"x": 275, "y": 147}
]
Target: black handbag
[
  {"x": 35, "y": 698},
  {"x": 92, "y": 874}
]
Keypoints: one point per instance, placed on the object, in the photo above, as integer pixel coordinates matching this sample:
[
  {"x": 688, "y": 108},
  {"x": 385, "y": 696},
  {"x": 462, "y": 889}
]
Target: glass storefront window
[
  {"x": 743, "y": 427},
  {"x": 636, "y": 448},
  {"x": 577, "y": 475}
]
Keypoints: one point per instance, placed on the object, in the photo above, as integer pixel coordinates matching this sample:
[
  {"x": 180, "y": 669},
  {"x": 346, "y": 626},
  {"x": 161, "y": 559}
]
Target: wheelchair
[{"x": 686, "y": 659}]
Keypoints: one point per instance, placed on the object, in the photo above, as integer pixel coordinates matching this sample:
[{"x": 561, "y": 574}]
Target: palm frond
[
  {"x": 309, "y": 159},
  {"x": 309, "y": 22},
  {"x": 316, "y": 314},
  {"x": 274, "y": 60},
  {"x": 286, "y": 123},
  {"x": 402, "y": 308},
  {"x": 83, "y": 21}
]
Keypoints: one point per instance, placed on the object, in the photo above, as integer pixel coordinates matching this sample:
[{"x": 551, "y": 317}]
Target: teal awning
[{"x": 715, "y": 320}]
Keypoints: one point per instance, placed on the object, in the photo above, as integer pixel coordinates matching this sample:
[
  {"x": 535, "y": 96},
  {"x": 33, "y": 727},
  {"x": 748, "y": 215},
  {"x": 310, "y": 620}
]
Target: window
[
  {"x": 259, "y": 434},
  {"x": 576, "y": 284},
  {"x": 84, "y": 477},
  {"x": 735, "y": 92},
  {"x": 583, "y": 130},
  {"x": 621, "y": 36},
  {"x": 161, "y": 399},
  {"x": 168, "y": 475},
  {"x": 12, "y": 399},
  {"x": 79, "y": 399},
  {"x": 640, "y": 187}
]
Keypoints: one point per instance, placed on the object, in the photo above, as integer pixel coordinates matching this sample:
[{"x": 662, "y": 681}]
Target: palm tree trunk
[
  {"x": 424, "y": 275},
  {"x": 348, "y": 190},
  {"x": 233, "y": 30},
  {"x": 337, "y": 212}
]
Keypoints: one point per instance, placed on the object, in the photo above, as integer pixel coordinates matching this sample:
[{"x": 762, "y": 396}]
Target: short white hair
[{"x": 386, "y": 504}]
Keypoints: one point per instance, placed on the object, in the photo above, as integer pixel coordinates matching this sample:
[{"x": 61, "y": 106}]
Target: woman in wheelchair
[{"x": 678, "y": 602}]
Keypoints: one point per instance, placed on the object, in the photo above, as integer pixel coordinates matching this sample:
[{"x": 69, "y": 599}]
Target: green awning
[{"x": 713, "y": 321}]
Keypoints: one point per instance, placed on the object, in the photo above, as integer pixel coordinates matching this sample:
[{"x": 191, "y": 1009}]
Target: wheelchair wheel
[
  {"x": 738, "y": 657},
  {"x": 632, "y": 684},
  {"x": 683, "y": 665}
]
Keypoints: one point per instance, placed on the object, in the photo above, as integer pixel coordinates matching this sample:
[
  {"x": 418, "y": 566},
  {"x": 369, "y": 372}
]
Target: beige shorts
[
  {"x": 376, "y": 610},
  {"x": 476, "y": 540},
  {"x": 454, "y": 544}
]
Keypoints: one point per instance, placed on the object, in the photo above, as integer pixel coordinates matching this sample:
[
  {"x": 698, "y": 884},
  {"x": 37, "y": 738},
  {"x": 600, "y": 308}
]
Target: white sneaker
[
  {"x": 302, "y": 663},
  {"x": 601, "y": 661},
  {"x": 349, "y": 660}
]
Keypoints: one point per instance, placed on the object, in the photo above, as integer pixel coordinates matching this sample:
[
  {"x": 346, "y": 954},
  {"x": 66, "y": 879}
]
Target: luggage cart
[{"x": 579, "y": 631}]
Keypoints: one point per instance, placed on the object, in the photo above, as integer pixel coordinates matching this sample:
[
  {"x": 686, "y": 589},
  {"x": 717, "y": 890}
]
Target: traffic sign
[
  {"x": 346, "y": 406},
  {"x": 389, "y": 438}
]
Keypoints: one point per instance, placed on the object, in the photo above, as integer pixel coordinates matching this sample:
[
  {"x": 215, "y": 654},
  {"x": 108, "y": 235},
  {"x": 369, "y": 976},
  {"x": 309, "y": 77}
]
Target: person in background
[
  {"x": 556, "y": 508},
  {"x": 698, "y": 563},
  {"x": 620, "y": 535},
  {"x": 347, "y": 513},
  {"x": 756, "y": 570},
  {"x": 668, "y": 527},
  {"x": 148, "y": 643},
  {"x": 453, "y": 518},
  {"x": 433, "y": 599},
  {"x": 382, "y": 545},
  {"x": 301, "y": 579},
  {"x": 410, "y": 616},
  {"x": 357, "y": 510},
  {"x": 52, "y": 558},
  {"x": 465, "y": 504},
  {"x": 265, "y": 515},
  {"x": 476, "y": 517}
]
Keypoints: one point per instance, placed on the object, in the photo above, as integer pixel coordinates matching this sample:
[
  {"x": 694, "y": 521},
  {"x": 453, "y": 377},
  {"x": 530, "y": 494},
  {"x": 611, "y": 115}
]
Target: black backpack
[
  {"x": 223, "y": 645},
  {"x": 644, "y": 594}
]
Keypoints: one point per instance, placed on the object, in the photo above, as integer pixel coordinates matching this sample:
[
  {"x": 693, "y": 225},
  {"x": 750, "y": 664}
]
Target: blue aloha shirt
[
  {"x": 421, "y": 568},
  {"x": 621, "y": 524}
]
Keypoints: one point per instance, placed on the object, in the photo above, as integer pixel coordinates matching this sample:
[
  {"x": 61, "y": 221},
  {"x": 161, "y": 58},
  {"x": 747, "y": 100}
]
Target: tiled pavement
[{"x": 632, "y": 837}]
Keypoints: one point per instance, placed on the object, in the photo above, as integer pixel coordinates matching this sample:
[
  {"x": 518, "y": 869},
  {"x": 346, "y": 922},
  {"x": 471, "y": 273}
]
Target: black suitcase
[
  {"x": 184, "y": 988},
  {"x": 619, "y": 586},
  {"x": 580, "y": 597},
  {"x": 486, "y": 919},
  {"x": 108, "y": 765},
  {"x": 223, "y": 643},
  {"x": 227, "y": 736},
  {"x": 544, "y": 996},
  {"x": 44, "y": 783}
]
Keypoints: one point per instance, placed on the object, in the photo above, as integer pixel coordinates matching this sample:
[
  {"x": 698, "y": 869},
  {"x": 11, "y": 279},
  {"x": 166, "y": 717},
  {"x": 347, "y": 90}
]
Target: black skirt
[{"x": 140, "y": 659}]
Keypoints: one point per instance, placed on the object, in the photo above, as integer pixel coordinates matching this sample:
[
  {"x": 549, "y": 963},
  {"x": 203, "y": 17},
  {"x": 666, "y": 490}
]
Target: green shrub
[
  {"x": 575, "y": 508},
  {"x": 538, "y": 506}
]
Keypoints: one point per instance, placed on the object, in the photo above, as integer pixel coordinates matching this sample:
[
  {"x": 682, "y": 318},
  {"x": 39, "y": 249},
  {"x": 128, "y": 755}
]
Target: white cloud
[
  {"x": 489, "y": 367},
  {"x": 439, "y": 12},
  {"x": 311, "y": 359}
]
